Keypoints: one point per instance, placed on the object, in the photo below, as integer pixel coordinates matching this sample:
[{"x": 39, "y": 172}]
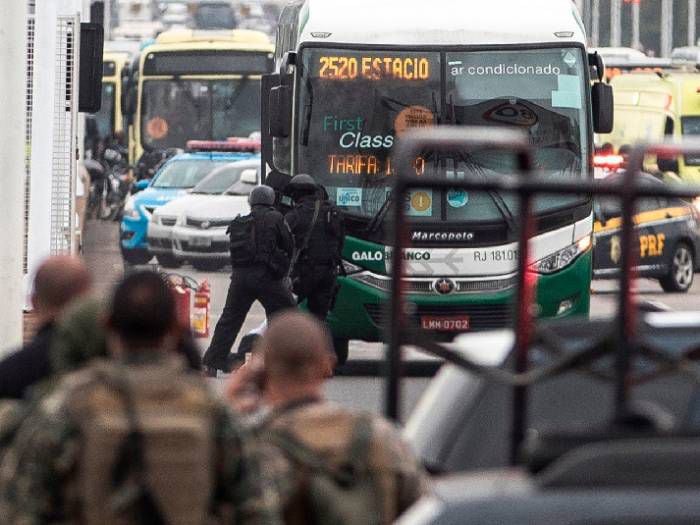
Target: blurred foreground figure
[
  {"x": 58, "y": 282},
  {"x": 331, "y": 465},
  {"x": 133, "y": 439}
]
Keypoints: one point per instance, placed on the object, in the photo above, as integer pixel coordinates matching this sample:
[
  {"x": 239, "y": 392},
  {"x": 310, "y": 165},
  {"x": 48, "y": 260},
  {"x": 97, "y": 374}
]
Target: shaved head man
[
  {"x": 58, "y": 282},
  {"x": 297, "y": 356}
]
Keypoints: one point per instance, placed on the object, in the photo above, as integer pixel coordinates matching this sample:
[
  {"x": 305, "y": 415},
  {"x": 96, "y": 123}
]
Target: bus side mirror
[
  {"x": 603, "y": 107},
  {"x": 90, "y": 82},
  {"x": 280, "y": 111}
]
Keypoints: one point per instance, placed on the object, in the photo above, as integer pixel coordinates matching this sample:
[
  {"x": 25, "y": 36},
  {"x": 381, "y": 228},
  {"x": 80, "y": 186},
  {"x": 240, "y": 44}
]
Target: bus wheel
[
  {"x": 341, "y": 350},
  {"x": 681, "y": 270},
  {"x": 168, "y": 261}
]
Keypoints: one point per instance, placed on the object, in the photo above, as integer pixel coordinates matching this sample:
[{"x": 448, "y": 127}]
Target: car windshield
[
  {"x": 608, "y": 206},
  {"x": 241, "y": 187},
  {"x": 104, "y": 118},
  {"x": 222, "y": 179},
  {"x": 184, "y": 174},
  {"x": 175, "y": 111},
  {"x": 691, "y": 127},
  {"x": 347, "y": 146}
]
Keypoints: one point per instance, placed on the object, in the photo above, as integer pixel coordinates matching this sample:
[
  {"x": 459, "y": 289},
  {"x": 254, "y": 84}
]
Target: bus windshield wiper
[
  {"x": 495, "y": 196},
  {"x": 378, "y": 217}
]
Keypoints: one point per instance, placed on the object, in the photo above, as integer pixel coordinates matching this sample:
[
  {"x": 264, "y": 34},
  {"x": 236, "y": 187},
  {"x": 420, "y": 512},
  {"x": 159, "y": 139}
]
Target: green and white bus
[{"x": 353, "y": 76}]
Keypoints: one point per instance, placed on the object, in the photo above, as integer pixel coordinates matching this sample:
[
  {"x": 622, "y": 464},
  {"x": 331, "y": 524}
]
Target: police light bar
[
  {"x": 611, "y": 162},
  {"x": 246, "y": 145}
]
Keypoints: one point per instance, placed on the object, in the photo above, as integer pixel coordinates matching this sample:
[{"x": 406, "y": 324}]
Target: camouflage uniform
[
  {"x": 326, "y": 428},
  {"x": 44, "y": 476}
]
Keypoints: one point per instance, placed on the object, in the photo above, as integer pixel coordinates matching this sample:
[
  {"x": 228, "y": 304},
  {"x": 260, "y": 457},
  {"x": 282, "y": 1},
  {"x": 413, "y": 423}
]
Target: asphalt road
[{"x": 101, "y": 251}]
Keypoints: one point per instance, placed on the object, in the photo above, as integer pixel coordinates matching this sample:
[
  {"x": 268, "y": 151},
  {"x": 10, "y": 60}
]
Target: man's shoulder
[
  {"x": 34, "y": 349},
  {"x": 269, "y": 214},
  {"x": 326, "y": 421},
  {"x": 330, "y": 428},
  {"x": 100, "y": 379},
  {"x": 74, "y": 385}
]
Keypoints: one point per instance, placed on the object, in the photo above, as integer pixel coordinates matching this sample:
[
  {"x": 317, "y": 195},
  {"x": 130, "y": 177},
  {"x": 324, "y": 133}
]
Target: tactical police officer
[
  {"x": 261, "y": 250},
  {"x": 318, "y": 235}
]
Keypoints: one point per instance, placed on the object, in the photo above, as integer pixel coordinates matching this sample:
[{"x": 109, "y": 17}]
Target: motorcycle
[{"x": 110, "y": 185}]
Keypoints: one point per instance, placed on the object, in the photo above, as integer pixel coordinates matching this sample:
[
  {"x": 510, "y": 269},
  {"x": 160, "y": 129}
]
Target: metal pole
[
  {"x": 692, "y": 10},
  {"x": 108, "y": 20},
  {"x": 523, "y": 320},
  {"x": 666, "y": 27},
  {"x": 615, "y": 23},
  {"x": 13, "y": 27},
  {"x": 595, "y": 23},
  {"x": 636, "y": 42},
  {"x": 627, "y": 314},
  {"x": 398, "y": 314},
  {"x": 585, "y": 11}
]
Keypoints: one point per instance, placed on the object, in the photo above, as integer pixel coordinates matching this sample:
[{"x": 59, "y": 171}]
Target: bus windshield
[
  {"x": 104, "y": 118},
  {"x": 354, "y": 105},
  {"x": 176, "y": 110}
]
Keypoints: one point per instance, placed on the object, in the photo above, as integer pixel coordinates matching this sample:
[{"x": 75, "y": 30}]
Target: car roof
[
  {"x": 215, "y": 156},
  {"x": 248, "y": 163}
]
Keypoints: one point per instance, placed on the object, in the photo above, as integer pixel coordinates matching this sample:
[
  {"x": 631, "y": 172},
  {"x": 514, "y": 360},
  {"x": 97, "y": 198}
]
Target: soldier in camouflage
[
  {"x": 136, "y": 438},
  {"x": 297, "y": 352}
]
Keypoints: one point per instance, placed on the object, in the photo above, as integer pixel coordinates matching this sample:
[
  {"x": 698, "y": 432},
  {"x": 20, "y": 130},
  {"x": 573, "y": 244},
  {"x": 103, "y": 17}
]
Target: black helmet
[
  {"x": 301, "y": 184},
  {"x": 262, "y": 195}
]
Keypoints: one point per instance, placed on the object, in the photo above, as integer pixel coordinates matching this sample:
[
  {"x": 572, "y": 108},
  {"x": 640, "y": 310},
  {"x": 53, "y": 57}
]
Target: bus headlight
[
  {"x": 350, "y": 268},
  {"x": 558, "y": 260}
]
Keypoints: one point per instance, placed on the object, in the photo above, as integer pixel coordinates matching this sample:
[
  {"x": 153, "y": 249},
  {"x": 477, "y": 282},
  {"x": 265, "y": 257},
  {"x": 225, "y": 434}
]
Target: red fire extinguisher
[
  {"x": 183, "y": 297},
  {"x": 200, "y": 311}
]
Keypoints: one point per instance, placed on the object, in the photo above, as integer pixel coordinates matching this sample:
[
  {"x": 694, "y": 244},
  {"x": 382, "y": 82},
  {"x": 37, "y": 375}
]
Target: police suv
[{"x": 667, "y": 233}]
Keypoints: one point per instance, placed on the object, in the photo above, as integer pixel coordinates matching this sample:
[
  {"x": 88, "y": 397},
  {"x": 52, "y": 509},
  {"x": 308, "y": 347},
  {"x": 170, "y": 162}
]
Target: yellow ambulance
[{"x": 650, "y": 107}]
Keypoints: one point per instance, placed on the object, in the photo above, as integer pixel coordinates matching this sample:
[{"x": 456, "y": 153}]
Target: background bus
[
  {"x": 354, "y": 83},
  {"x": 195, "y": 85},
  {"x": 103, "y": 126}
]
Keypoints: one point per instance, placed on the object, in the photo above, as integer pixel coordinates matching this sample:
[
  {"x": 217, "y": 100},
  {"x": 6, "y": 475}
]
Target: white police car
[{"x": 193, "y": 228}]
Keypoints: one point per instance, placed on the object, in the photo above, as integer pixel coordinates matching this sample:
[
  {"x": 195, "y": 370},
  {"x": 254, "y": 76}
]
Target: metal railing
[{"x": 525, "y": 185}]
